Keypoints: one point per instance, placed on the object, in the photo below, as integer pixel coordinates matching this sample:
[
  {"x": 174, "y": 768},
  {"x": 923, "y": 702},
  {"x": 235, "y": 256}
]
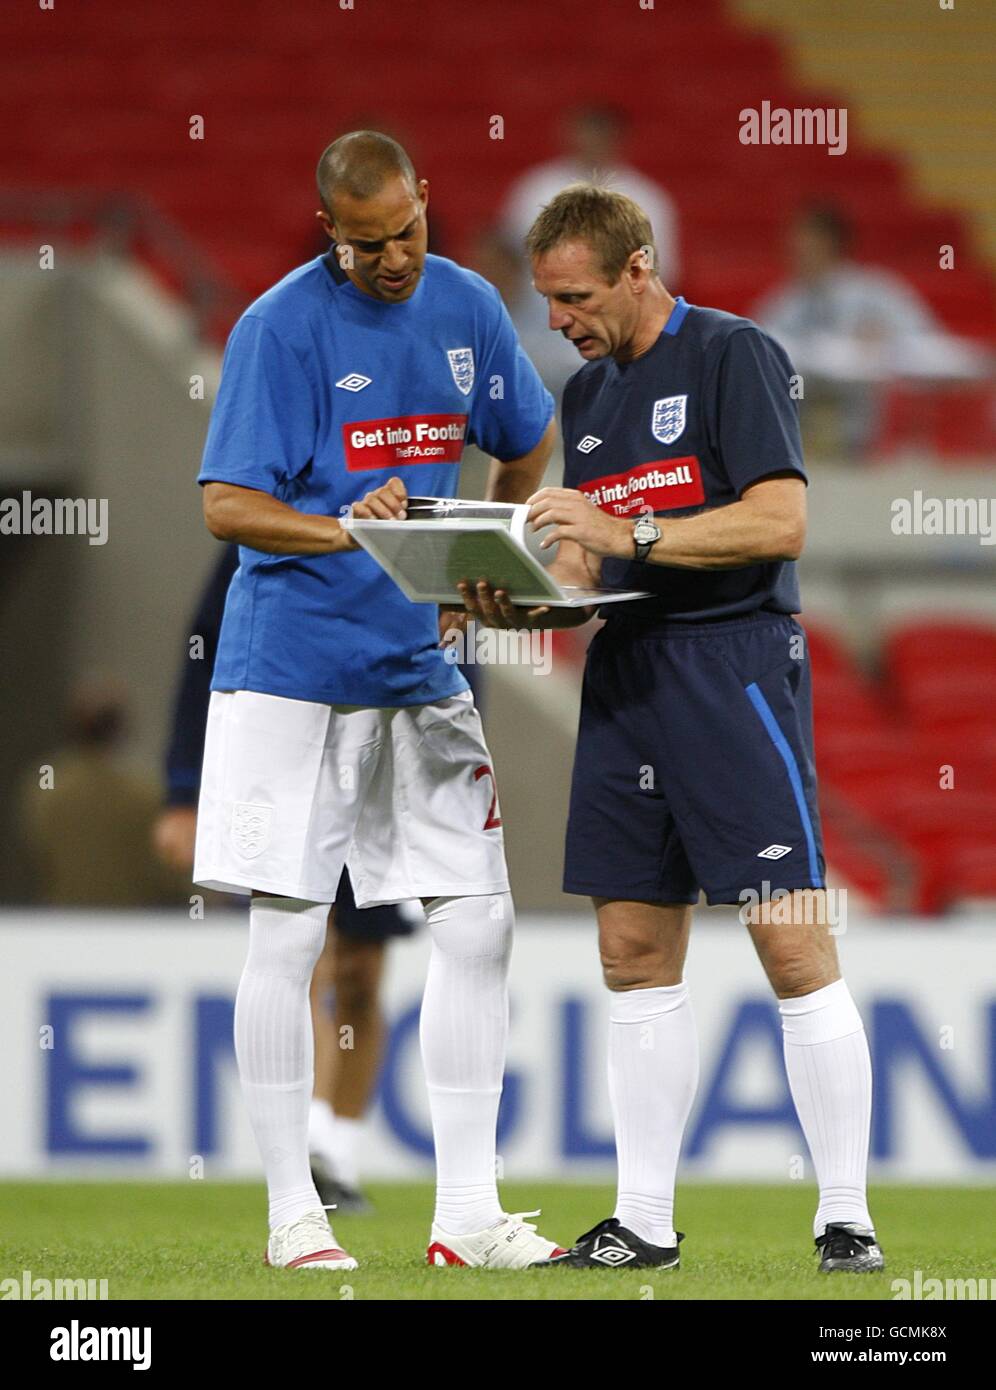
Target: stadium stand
[
  {"x": 913, "y": 754},
  {"x": 97, "y": 103},
  {"x": 103, "y": 96},
  {"x": 907, "y": 761}
]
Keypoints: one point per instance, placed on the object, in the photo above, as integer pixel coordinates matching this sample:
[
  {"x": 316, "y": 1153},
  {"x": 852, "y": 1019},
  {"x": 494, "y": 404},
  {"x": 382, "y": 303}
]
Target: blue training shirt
[
  {"x": 687, "y": 426},
  {"x": 325, "y": 394}
]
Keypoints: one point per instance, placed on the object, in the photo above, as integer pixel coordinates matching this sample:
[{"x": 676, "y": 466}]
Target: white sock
[
  {"x": 653, "y": 1073},
  {"x": 274, "y": 1046},
  {"x": 335, "y": 1138},
  {"x": 321, "y": 1129},
  {"x": 829, "y": 1074},
  {"x": 463, "y": 1031},
  {"x": 345, "y": 1155}
]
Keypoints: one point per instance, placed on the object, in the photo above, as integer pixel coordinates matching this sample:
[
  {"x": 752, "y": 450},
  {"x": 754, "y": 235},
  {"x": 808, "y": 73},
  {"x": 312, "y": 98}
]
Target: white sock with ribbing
[
  {"x": 274, "y": 1046},
  {"x": 829, "y": 1074},
  {"x": 463, "y": 1031},
  {"x": 653, "y": 1073}
]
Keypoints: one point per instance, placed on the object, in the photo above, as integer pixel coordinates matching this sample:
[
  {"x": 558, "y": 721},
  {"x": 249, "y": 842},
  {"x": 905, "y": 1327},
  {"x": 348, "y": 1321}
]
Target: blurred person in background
[
  {"x": 345, "y": 986},
  {"x": 593, "y": 138},
  {"x": 86, "y": 824},
  {"x": 495, "y": 257},
  {"x": 848, "y": 328}
]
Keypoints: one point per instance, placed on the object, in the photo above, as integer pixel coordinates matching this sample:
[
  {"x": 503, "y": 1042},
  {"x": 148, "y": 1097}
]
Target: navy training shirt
[
  {"x": 326, "y": 393},
  {"x": 686, "y": 427}
]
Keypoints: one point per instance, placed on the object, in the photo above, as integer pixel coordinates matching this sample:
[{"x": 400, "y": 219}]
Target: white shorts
[{"x": 291, "y": 791}]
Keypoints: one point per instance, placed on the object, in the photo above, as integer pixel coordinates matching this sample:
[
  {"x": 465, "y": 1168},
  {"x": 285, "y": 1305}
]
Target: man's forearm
[
  {"x": 725, "y": 538},
  {"x": 517, "y": 479},
  {"x": 262, "y": 522}
]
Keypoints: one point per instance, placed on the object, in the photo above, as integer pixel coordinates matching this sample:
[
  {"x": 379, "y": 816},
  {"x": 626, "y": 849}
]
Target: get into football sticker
[
  {"x": 662, "y": 486},
  {"x": 404, "y": 439}
]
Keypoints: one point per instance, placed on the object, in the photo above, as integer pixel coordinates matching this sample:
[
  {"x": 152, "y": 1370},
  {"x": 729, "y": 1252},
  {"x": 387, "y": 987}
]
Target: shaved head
[
  {"x": 359, "y": 164},
  {"x": 373, "y": 210}
]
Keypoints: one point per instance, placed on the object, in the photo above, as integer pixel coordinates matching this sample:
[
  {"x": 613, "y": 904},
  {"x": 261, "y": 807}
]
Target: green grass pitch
[{"x": 204, "y": 1240}]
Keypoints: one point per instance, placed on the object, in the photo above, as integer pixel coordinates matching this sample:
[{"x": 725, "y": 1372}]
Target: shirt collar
[
  {"x": 677, "y": 316},
  {"x": 342, "y": 281}
]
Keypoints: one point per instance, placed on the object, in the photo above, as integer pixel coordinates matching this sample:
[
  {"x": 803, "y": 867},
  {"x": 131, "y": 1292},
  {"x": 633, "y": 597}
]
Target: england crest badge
[
  {"x": 669, "y": 419},
  {"x": 462, "y": 367},
  {"x": 251, "y": 828}
]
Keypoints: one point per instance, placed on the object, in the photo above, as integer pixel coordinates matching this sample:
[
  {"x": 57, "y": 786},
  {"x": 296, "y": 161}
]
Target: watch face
[{"x": 646, "y": 530}]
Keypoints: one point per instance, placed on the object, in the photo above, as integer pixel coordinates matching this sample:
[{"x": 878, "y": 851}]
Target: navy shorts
[
  {"x": 694, "y": 766},
  {"x": 371, "y": 924}
]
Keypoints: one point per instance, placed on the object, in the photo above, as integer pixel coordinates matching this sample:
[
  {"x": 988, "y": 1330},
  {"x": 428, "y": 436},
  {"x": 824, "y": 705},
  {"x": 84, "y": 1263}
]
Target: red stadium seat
[
  {"x": 102, "y": 98},
  {"x": 951, "y": 422},
  {"x": 943, "y": 672},
  {"x": 843, "y": 697},
  {"x": 114, "y": 87},
  {"x": 955, "y": 867}
]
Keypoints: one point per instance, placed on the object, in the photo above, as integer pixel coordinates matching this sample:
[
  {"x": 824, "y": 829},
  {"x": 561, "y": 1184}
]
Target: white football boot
[
  {"x": 509, "y": 1243},
  {"x": 307, "y": 1243}
]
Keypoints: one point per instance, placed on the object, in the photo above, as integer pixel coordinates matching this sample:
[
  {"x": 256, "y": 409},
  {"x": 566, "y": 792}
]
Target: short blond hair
[{"x": 609, "y": 222}]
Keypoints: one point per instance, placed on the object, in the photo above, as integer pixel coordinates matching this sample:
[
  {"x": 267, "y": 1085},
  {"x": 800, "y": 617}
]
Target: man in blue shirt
[
  {"x": 694, "y": 768},
  {"x": 350, "y": 968},
  {"x": 338, "y": 733}
]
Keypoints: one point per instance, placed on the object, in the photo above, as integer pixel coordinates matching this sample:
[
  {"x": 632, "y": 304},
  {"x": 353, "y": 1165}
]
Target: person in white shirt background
[
  {"x": 593, "y": 139},
  {"x": 593, "y": 142},
  {"x": 848, "y": 328}
]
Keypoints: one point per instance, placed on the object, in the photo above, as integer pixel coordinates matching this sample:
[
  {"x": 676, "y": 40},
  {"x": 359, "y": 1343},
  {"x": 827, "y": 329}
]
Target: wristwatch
[{"x": 645, "y": 533}]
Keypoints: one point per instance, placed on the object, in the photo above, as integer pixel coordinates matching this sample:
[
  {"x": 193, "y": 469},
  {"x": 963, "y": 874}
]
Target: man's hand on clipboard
[
  {"x": 452, "y": 622},
  {"x": 387, "y": 503},
  {"x": 574, "y": 517},
  {"x": 494, "y": 608}
]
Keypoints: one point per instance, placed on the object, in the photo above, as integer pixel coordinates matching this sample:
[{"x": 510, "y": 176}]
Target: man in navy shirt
[
  {"x": 694, "y": 770},
  {"x": 337, "y": 732}
]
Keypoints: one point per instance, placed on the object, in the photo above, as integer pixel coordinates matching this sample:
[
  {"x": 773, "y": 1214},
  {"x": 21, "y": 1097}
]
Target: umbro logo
[
  {"x": 613, "y": 1255},
  {"x": 588, "y": 443},
  {"x": 775, "y": 852},
  {"x": 354, "y": 382}
]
